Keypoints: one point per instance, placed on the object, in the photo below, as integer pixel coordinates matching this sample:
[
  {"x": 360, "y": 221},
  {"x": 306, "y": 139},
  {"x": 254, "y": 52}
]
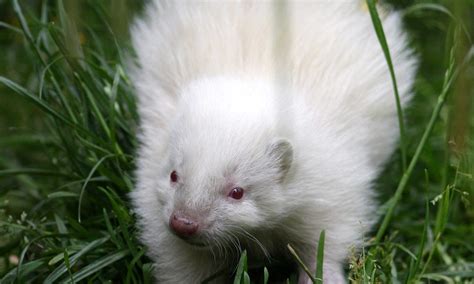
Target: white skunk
[{"x": 262, "y": 123}]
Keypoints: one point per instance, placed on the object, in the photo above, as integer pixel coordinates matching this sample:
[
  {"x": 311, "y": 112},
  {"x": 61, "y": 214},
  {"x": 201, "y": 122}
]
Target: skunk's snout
[{"x": 182, "y": 225}]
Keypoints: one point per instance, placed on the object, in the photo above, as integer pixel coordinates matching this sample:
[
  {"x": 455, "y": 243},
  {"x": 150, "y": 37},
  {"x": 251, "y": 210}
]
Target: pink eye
[
  {"x": 174, "y": 176},
  {"x": 236, "y": 193}
]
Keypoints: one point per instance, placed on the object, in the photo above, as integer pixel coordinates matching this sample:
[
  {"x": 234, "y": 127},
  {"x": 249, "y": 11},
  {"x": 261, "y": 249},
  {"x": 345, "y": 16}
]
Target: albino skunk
[{"x": 262, "y": 124}]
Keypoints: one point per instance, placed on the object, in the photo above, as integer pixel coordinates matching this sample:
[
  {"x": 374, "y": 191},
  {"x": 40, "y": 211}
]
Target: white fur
[{"x": 218, "y": 82}]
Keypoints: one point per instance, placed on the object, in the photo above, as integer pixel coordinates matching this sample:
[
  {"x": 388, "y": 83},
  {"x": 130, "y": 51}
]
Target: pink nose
[{"x": 183, "y": 225}]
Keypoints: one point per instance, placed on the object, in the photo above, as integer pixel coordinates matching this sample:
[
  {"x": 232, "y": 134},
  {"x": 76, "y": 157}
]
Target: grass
[{"x": 67, "y": 140}]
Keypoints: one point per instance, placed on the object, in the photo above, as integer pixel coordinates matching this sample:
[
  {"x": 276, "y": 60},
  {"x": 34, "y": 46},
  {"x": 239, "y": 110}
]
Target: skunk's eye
[
  {"x": 236, "y": 193},
  {"x": 174, "y": 176}
]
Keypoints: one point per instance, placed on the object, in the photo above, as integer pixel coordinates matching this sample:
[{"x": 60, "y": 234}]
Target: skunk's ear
[{"x": 281, "y": 152}]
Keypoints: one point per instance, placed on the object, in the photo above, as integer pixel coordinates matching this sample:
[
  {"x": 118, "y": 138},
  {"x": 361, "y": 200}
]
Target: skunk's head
[{"x": 226, "y": 167}]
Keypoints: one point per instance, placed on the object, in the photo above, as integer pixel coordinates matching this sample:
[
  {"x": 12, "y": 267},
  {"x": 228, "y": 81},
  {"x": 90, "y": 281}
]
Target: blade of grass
[
  {"x": 61, "y": 269},
  {"x": 246, "y": 278},
  {"x": 97, "y": 266},
  {"x": 89, "y": 177},
  {"x": 29, "y": 37},
  {"x": 320, "y": 258},
  {"x": 60, "y": 224},
  {"x": 301, "y": 263},
  {"x": 123, "y": 218},
  {"x": 10, "y": 27},
  {"x": 26, "y": 30},
  {"x": 96, "y": 109},
  {"x": 241, "y": 268},
  {"x": 15, "y": 276},
  {"x": 37, "y": 101},
  {"x": 42, "y": 37},
  {"x": 266, "y": 276},
  {"x": 443, "y": 10},
  {"x": 386, "y": 51},
  {"x": 68, "y": 264},
  {"x": 441, "y": 218},
  {"x": 421, "y": 248},
  {"x": 405, "y": 250},
  {"x": 132, "y": 263},
  {"x": 39, "y": 172},
  {"x": 112, "y": 232},
  {"x": 147, "y": 270},
  {"x": 57, "y": 258},
  {"x": 46, "y": 71},
  {"x": 448, "y": 81},
  {"x": 27, "y": 247}
]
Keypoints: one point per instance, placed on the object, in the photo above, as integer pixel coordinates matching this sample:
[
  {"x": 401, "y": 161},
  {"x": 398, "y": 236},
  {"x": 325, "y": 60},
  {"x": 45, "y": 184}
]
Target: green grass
[{"x": 67, "y": 140}]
